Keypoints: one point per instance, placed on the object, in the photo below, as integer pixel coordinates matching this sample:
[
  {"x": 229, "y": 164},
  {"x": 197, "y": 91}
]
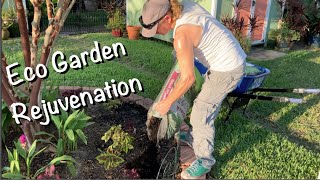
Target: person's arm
[
  {"x": 184, "y": 53},
  {"x": 183, "y": 44}
]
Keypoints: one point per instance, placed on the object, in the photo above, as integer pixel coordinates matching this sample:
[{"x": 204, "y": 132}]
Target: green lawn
[{"x": 275, "y": 140}]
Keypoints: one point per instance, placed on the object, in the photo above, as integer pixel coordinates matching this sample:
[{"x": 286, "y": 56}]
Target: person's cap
[{"x": 153, "y": 11}]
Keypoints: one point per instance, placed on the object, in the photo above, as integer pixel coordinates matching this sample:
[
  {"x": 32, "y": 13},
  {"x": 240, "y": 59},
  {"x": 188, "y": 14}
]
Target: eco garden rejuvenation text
[{"x": 97, "y": 55}]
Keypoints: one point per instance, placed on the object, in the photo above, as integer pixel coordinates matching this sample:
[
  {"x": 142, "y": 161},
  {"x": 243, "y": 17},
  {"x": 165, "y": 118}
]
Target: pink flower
[
  {"x": 49, "y": 173},
  {"x": 23, "y": 139},
  {"x": 132, "y": 174}
]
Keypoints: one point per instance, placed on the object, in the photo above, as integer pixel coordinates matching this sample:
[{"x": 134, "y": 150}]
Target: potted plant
[
  {"x": 133, "y": 27},
  {"x": 284, "y": 36},
  {"x": 8, "y": 18},
  {"x": 116, "y": 23}
]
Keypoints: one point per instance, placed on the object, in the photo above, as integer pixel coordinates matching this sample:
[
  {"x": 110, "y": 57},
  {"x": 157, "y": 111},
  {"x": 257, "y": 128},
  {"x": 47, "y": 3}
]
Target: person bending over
[{"x": 197, "y": 33}]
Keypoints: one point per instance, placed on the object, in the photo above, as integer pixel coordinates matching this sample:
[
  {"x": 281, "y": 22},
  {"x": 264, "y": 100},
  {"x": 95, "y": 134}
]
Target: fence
[{"x": 81, "y": 21}]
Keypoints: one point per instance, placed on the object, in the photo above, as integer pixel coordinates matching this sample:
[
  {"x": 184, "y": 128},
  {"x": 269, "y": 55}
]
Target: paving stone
[{"x": 264, "y": 54}]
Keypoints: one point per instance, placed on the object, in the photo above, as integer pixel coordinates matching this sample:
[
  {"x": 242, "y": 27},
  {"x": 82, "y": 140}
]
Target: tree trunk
[
  {"x": 30, "y": 56},
  {"x": 23, "y": 32}
]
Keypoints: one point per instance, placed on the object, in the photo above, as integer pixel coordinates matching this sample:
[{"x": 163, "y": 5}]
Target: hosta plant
[{"x": 70, "y": 129}]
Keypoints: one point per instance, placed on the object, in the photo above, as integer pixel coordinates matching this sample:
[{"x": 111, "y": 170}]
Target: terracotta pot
[
  {"x": 116, "y": 32},
  {"x": 133, "y": 32},
  {"x": 5, "y": 34}
]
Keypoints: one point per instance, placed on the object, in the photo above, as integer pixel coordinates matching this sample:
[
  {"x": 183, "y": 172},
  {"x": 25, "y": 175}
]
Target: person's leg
[{"x": 205, "y": 110}]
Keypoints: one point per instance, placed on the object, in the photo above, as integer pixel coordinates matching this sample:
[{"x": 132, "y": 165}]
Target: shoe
[
  {"x": 195, "y": 170},
  {"x": 184, "y": 137}
]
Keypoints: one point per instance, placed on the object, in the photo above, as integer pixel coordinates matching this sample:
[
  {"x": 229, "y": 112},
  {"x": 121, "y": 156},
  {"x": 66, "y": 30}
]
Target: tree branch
[
  {"x": 49, "y": 10},
  {"x": 35, "y": 31},
  {"x": 23, "y": 32},
  {"x": 52, "y": 32}
]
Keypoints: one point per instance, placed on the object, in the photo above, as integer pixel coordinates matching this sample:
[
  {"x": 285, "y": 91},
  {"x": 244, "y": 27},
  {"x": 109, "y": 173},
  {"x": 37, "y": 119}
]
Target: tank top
[{"x": 218, "y": 49}]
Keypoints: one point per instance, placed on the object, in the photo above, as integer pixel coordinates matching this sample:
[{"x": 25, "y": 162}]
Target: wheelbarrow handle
[
  {"x": 307, "y": 91},
  {"x": 269, "y": 98},
  {"x": 296, "y": 100},
  {"x": 292, "y": 90}
]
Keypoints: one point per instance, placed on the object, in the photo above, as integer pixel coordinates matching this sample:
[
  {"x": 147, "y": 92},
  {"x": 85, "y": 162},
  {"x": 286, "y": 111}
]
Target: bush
[{"x": 284, "y": 34}]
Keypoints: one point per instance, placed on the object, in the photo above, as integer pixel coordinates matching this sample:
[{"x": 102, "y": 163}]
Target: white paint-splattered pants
[{"x": 206, "y": 108}]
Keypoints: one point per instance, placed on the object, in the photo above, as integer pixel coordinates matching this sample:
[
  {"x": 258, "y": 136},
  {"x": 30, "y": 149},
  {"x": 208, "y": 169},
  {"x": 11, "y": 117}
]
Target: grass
[{"x": 275, "y": 140}]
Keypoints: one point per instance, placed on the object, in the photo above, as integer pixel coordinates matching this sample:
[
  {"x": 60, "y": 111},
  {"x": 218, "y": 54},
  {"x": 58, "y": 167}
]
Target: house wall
[
  {"x": 223, "y": 8},
  {"x": 275, "y": 15}
]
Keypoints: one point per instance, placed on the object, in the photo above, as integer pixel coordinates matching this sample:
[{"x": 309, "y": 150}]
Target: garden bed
[{"x": 143, "y": 161}]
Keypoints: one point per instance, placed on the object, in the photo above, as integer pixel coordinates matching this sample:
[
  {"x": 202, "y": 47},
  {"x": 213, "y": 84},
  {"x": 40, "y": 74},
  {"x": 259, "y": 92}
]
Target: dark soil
[{"x": 145, "y": 158}]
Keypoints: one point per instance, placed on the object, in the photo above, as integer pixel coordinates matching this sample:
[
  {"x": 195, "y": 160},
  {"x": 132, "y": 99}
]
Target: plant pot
[
  {"x": 5, "y": 34},
  {"x": 314, "y": 41},
  {"x": 90, "y": 5},
  {"x": 116, "y": 32},
  {"x": 133, "y": 32}
]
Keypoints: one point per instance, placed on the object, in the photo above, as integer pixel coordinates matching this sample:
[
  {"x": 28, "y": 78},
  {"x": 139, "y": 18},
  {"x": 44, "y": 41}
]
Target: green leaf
[
  {"x": 12, "y": 166},
  {"x": 13, "y": 176},
  {"x": 21, "y": 151},
  {"x": 32, "y": 149},
  {"x": 16, "y": 160},
  {"x": 62, "y": 158},
  {"x": 10, "y": 156},
  {"x": 70, "y": 134},
  {"x": 83, "y": 124},
  {"x": 4, "y": 105},
  {"x": 82, "y": 116},
  {"x": 81, "y": 120},
  {"x": 60, "y": 150},
  {"x": 6, "y": 168},
  {"x": 37, "y": 154},
  {"x": 72, "y": 168},
  {"x": 82, "y": 136},
  {"x": 17, "y": 165},
  {"x": 70, "y": 118},
  {"x": 56, "y": 120},
  {"x": 6, "y": 120},
  {"x": 44, "y": 133},
  {"x": 109, "y": 160},
  {"x": 15, "y": 154},
  {"x": 64, "y": 115}
]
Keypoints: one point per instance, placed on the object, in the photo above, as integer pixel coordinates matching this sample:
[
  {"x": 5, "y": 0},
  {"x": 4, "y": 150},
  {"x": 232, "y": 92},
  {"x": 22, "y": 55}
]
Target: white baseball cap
[{"x": 153, "y": 12}]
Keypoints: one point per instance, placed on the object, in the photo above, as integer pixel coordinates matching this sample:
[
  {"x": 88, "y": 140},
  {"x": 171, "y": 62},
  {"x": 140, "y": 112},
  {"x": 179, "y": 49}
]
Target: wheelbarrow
[{"x": 250, "y": 85}]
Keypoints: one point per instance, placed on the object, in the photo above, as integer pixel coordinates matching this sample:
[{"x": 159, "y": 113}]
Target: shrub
[{"x": 284, "y": 34}]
